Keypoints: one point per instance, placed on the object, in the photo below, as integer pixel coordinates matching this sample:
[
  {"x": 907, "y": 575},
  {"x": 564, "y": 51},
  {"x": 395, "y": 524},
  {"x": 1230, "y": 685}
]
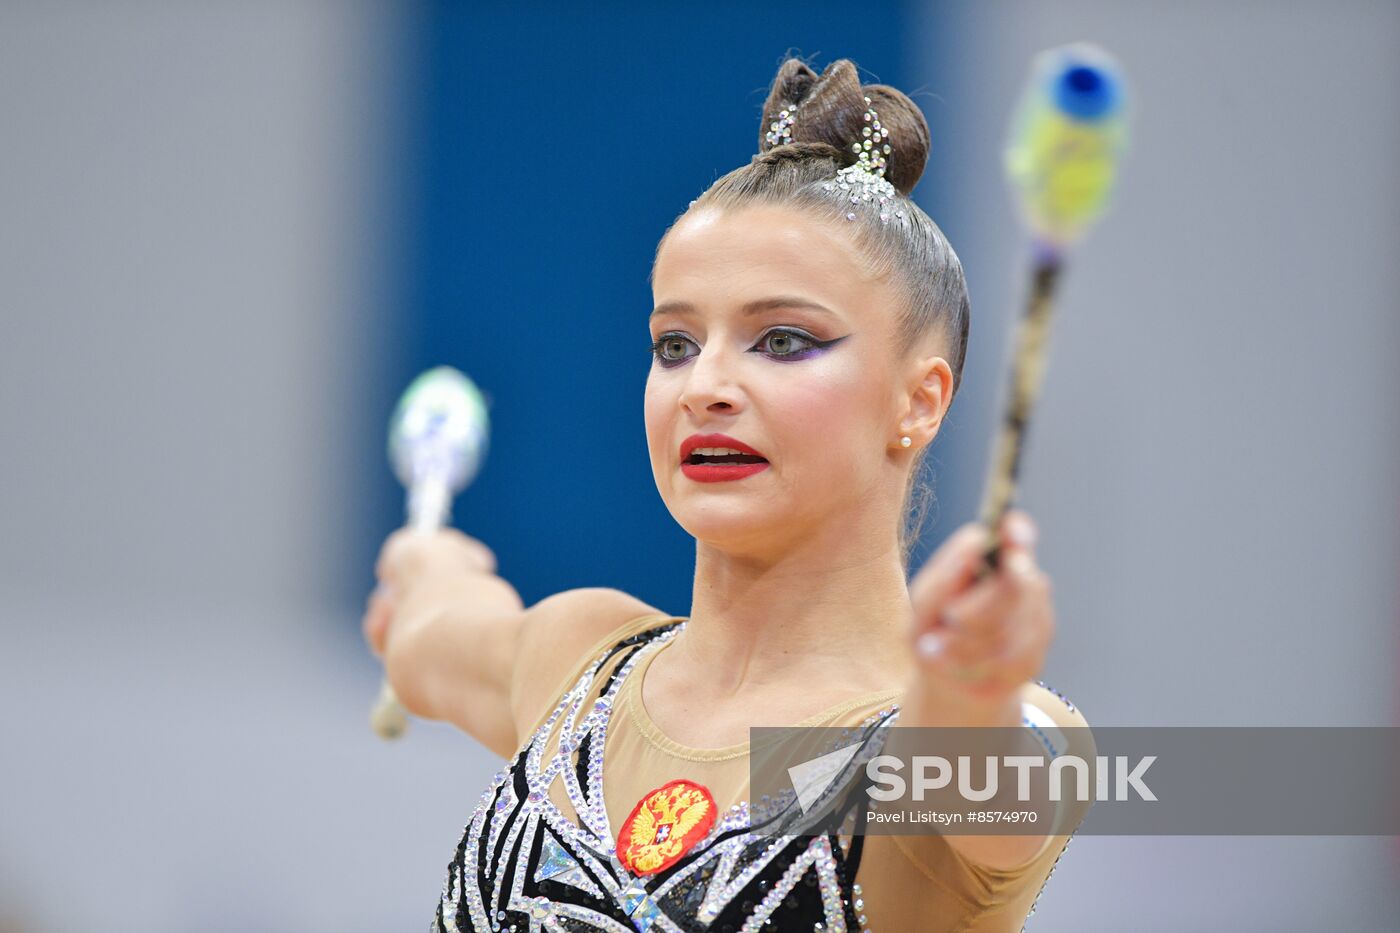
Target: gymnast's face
[{"x": 769, "y": 329}]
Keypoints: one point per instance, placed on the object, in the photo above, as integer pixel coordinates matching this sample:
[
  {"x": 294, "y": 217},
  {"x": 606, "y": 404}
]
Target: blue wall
[{"x": 554, "y": 146}]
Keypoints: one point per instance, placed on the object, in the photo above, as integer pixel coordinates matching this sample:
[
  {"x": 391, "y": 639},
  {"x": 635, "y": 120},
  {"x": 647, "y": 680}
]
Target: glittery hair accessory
[
  {"x": 865, "y": 180},
  {"x": 780, "y": 130},
  {"x": 872, "y": 149},
  {"x": 862, "y": 186}
]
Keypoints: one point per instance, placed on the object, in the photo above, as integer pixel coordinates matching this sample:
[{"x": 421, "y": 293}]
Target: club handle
[
  {"x": 388, "y": 718},
  {"x": 1027, "y": 371}
]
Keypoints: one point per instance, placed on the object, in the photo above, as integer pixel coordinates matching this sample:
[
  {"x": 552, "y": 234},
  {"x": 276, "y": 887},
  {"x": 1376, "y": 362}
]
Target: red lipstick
[{"x": 720, "y": 468}]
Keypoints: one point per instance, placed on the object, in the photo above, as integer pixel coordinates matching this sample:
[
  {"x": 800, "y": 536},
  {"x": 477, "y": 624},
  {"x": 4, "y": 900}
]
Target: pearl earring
[{"x": 905, "y": 441}]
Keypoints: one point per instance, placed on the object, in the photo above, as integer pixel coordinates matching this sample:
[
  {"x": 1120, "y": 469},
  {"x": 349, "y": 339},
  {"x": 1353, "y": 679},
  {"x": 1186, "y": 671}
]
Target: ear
[{"x": 930, "y": 393}]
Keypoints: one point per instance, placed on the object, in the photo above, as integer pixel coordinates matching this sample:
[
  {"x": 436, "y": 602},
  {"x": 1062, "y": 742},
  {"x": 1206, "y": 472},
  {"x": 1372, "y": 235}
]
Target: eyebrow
[{"x": 756, "y": 306}]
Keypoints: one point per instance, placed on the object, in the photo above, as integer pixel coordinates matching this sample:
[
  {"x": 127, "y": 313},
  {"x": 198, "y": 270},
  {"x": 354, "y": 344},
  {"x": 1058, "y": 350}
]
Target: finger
[
  {"x": 1021, "y": 573},
  {"x": 407, "y": 551},
  {"x": 1033, "y": 627},
  {"x": 1025, "y": 655},
  {"x": 1017, "y": 534},
  {"x": 976, "y": 630},
  {"x": 1000, "y": 620},
  {"x": 392, "y": 554},
  {"x": 949, "y": 570},
  {"x": 962, "y": 630},
  {"x": 486, "y": 558},
  {"x": 991, "y": 619},
  {"x": 1029, "y": 629},
  {"x": 1018, "y": 529},
  {"x": 1017, "y": 566},
  {"x": 972, "y": 627},
  {"x": 373, "y": 625},
  {"x": 966, "y": 659},
  {"x": 943, "y": 656},
  {"x": 1019, "y": 576},
  {"x": 980, "y": 615},
  {"x": 378, "y": 613}
]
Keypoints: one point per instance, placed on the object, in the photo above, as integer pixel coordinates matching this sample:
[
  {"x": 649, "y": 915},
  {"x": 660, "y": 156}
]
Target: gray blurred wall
[
  {"x": 193, "y": 216},
  {"x": 1213, "y": 461}
]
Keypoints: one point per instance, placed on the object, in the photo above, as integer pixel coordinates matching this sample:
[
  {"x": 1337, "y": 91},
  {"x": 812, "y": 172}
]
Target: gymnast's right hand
[
  {"x": 413, "y": 568},
  {"x": 446, "y": 625},
  {"x": 459, "y": 646}
]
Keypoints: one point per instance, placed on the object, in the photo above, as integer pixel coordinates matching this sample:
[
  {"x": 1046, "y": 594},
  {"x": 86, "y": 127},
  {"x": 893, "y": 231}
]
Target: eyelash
[{"x": 655, "y": 348}]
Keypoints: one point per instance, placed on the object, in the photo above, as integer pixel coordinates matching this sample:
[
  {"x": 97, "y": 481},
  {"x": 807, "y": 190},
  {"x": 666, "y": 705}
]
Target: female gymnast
[{"x": 808, "y": 335}]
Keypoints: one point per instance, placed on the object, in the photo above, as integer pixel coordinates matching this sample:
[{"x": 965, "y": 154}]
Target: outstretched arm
[
  {"x": 446, "y": 626},
  {"x": 459, "y": 645}
]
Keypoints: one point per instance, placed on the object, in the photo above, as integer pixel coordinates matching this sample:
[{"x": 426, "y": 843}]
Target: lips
[{"x": 704, "y": 469}]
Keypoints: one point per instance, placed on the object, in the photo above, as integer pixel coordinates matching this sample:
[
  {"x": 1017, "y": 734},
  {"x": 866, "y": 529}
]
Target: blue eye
[{"x": 670, "y": 341}]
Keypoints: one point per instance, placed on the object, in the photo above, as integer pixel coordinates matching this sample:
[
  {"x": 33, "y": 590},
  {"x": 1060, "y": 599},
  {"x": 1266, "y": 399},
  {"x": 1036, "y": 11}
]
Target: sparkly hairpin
[
  {"x": 866, "y": 178},
  {"x": 865, "y": 185},
  {"x": 780, "y": 130},
  {"x": 873, "y": 148}
]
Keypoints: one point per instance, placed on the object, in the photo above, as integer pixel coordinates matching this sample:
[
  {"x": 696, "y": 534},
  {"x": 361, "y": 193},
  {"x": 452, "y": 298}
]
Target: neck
[{"x": 830, "y": 609}]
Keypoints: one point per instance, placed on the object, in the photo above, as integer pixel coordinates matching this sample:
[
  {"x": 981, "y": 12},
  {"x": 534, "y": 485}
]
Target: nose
[{"x": 709, "y": 384}]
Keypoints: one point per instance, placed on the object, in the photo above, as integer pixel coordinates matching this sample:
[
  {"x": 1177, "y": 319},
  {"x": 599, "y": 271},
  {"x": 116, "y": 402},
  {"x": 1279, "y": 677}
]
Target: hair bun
[{"x": 831, "y": 110}]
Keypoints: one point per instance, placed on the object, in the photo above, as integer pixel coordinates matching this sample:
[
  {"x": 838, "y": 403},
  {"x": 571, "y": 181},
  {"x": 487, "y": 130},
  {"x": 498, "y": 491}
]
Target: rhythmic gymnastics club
[
  {"x": 437, "y": 440},
  {"x": 1067, "y": 134}
]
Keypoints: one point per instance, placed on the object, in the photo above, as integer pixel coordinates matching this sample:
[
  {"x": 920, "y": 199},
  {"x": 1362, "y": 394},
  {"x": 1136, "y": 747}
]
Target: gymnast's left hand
[{"x": 976, "y": 643}]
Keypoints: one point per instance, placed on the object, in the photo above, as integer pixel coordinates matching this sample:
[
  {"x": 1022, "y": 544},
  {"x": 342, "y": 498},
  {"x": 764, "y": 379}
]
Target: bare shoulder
[{"x": 555, "y": 635}]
